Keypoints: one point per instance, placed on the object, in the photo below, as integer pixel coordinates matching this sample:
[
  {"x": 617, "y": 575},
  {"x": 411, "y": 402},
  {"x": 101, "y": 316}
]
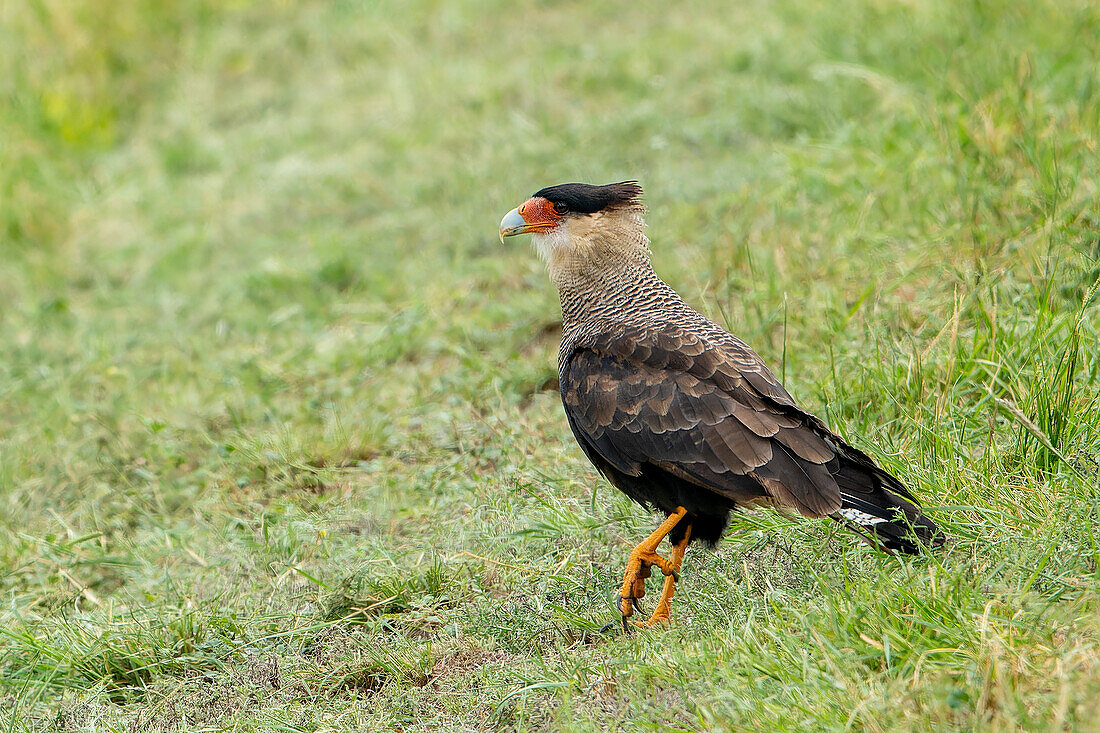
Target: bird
[{"x": 678, "y": 413}]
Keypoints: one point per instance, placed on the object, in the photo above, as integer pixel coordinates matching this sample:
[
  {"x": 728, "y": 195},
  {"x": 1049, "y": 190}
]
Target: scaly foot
[
  {"x": 662, "y": 614},
  {"x": 638, "y": 568}
]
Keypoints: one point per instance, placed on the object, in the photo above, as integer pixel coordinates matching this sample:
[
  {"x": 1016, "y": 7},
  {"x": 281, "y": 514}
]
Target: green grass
[{"x": 280, "y": 447}]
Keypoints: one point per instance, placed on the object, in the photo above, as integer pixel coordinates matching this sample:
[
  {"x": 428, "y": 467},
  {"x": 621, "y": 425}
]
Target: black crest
[{"x": 584, "y": 198}]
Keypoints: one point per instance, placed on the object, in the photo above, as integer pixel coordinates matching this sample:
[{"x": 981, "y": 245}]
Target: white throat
[
  {"x": 551, "y": 246},
  {"x": 591, "y": 248}
]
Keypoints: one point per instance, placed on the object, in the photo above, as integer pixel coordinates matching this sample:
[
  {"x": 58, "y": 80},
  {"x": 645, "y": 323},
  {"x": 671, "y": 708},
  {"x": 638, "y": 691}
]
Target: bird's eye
[{"x": 561, "y": 209}]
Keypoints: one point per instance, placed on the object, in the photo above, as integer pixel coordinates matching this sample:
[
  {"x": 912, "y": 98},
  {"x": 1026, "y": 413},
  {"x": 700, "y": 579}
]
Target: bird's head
[{"x": 577, "y": 226}]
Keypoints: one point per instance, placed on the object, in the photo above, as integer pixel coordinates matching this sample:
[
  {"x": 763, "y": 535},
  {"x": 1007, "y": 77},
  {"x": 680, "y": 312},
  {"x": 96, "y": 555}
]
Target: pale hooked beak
[{"x": 512, "y": 224}]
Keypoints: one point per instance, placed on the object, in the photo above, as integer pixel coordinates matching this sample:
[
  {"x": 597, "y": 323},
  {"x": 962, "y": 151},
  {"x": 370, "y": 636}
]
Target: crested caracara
[{"x": 678, "y": 413}]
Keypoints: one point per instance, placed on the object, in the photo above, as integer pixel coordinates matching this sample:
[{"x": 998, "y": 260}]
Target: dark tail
[{"x": 878, "y": 507}]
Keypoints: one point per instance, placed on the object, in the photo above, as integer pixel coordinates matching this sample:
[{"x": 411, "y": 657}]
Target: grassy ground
[{"x": 280, "y": 447}]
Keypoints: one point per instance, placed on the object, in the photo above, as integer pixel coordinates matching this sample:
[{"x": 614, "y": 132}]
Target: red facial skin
[{"x": 539, "y": 214}]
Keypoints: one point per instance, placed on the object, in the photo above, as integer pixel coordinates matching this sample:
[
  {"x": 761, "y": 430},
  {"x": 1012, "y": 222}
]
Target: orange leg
[
  {"x": 663, "y": 612},
  {"x": 645, "y": 556}
]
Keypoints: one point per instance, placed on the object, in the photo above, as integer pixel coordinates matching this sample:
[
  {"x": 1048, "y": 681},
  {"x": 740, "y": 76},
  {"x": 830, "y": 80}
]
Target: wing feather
[{"x": 714, "y": 417}]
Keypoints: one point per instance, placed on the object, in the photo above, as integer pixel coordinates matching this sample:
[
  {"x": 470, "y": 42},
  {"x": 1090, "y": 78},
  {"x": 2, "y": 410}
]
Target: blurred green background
[{"x": 280, "y": 446}]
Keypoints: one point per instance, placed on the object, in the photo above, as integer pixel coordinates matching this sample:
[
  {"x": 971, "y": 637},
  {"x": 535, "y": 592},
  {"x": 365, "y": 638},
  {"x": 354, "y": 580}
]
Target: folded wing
[{"x": 711, "y": 415}]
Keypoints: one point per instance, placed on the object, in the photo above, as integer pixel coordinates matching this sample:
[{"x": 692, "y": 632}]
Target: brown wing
[{"x": 710, "y": 415}]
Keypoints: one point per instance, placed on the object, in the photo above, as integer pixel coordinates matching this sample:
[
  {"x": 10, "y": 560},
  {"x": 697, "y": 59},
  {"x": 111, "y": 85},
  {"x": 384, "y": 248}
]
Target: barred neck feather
[
  {"x": 601, "y": 268},
  {"x": 629, "y": 294}
]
